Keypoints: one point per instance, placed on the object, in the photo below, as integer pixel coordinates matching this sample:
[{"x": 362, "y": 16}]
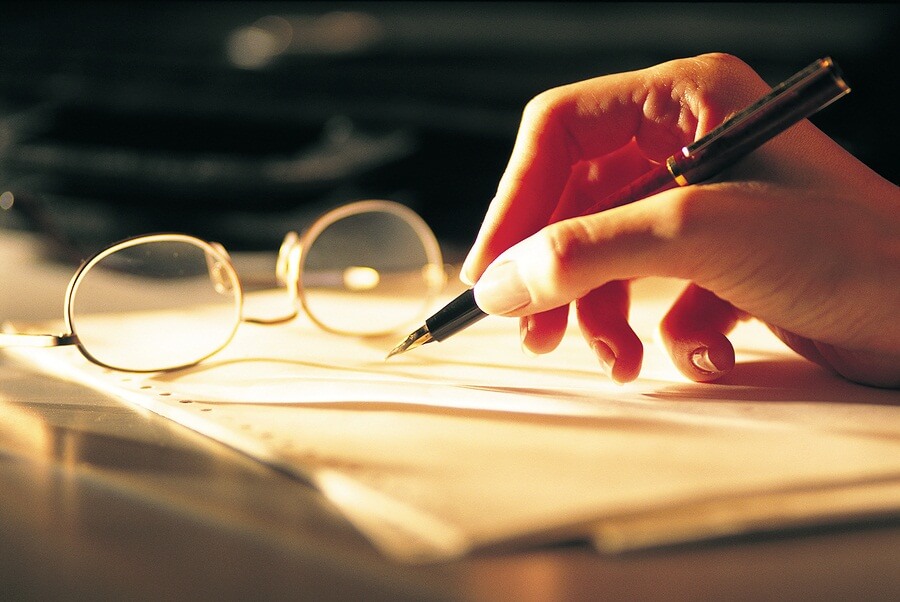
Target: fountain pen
[{"x": 798, "y": 97}]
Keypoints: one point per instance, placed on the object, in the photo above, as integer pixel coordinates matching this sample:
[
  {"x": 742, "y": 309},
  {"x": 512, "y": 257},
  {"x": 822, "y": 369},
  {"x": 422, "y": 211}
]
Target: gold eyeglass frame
[{"x": 289, "y": 272}]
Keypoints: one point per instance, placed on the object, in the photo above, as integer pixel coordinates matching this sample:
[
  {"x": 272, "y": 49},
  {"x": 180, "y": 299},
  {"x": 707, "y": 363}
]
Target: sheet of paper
[{"x": 471, "y": 443}]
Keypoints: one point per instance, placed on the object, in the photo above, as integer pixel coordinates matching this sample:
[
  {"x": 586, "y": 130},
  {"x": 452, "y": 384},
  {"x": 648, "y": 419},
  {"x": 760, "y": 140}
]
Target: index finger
[{"x": 661, "y": 108}]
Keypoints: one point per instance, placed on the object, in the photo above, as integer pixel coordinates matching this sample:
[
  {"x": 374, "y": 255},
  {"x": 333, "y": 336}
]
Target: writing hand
[{"x": 800, "y": 235}]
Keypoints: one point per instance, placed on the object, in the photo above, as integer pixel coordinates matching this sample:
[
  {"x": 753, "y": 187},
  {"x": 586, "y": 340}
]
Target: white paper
[{"x": 470, "y": 442}]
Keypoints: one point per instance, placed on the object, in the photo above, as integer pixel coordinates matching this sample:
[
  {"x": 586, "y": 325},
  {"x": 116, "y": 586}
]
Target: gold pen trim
[{"x": 675, "y": 172}]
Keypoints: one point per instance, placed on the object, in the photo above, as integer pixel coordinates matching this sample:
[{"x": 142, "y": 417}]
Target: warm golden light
[
  {"x": 360, "y": 278},
  {"x": 22, "y": 430},
  {"x": 434, "y": 275}
]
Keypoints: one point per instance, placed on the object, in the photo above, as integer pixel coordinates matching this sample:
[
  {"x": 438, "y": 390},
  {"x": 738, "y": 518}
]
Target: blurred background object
[{"x": 236, "y": 121}]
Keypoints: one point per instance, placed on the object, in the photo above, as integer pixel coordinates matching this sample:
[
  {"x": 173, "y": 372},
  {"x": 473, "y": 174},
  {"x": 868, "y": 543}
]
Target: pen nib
[{"x": 417, "y": 338}]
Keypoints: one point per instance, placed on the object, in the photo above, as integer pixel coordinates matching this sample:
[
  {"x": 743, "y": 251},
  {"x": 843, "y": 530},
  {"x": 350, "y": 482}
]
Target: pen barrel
[
  {"x": 455, "y": 316},
  {"x": 656, "y": 180},
  {"x": 795, "y": 99}
]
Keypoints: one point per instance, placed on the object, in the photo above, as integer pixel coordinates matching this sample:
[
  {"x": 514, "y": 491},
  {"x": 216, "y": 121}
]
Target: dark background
[{"x": 124, "y": 118}]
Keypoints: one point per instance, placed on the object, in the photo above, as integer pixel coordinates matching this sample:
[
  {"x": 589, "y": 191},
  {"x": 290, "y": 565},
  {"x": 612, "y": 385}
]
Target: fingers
[
  {"x": 542, "y": 332},
  {"x": 660, "y": 109},
  {"x": 693, "y": 332},
  {"x": 768, "y": 250},
  {"x": 603, "y": 318},
  {"x": 592, "y": 181},
  {"x": 566, "y": 260},
  {"x": 554, "y": 135},
  {"x": 758, "y": 237}
]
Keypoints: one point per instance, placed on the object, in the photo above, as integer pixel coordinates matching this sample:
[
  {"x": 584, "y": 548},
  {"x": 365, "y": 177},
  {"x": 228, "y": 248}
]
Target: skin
[{"x": 800, "y": 235}]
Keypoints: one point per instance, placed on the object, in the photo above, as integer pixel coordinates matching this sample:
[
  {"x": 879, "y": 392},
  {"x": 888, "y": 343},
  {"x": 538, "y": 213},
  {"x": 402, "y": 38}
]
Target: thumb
[{"x": 567, "y": 259}]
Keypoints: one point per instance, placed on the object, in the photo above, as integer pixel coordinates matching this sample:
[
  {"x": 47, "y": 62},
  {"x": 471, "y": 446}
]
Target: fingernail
[
  {"x": 605, "y": 355},
  {"x": 500, "y": 289},
  {"x": 701, "y": 361},
  {"x": 464, "y": 273},
  {"x": 525, "y": 326}
]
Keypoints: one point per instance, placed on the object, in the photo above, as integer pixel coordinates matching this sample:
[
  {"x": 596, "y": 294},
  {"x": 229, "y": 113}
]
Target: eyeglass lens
[
  {"x": 188, "y": 299},
  {"x": 369, "y": 273}
]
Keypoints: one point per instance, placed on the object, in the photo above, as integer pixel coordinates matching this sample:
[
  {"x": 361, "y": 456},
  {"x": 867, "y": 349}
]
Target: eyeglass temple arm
[{"x": 36, "y": 340}]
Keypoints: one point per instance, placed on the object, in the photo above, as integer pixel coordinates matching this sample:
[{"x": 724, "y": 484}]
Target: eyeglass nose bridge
[
  {"x": 287, "y": 274},
  {"x": 287, "y": 267}
]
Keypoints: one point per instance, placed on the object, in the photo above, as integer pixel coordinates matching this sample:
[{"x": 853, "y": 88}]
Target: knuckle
[
  {"x": 679, "y": 215},
  {"x": 565, "y": 244},
  {"x": 718, "y": 69},
  {"x": 682, "y": 222},
  {"x": 547, "y": 117},
  {"x": 717, "y": 62},
  {"x": 730, "y": 83},
  {"x": 542, "y": 108}
]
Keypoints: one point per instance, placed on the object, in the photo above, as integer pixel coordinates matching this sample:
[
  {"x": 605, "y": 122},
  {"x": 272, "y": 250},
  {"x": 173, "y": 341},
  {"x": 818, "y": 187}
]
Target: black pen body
[{"x": 460, "y": 313}]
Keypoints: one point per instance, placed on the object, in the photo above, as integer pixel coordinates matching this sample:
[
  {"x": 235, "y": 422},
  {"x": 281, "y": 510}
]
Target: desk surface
[{"x": 102, "y": 500}]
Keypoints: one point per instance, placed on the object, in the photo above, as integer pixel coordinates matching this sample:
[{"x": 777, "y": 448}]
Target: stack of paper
[{"x": 471, "y": 443}]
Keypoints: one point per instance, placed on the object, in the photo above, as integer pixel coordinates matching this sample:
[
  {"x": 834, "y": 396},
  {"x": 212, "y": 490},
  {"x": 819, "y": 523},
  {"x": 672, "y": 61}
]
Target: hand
[{"x": 800, "y": 234}]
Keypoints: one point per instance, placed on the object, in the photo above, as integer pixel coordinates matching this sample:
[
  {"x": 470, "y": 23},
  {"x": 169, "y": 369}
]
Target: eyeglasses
[{"x": 368, "y": 268}]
